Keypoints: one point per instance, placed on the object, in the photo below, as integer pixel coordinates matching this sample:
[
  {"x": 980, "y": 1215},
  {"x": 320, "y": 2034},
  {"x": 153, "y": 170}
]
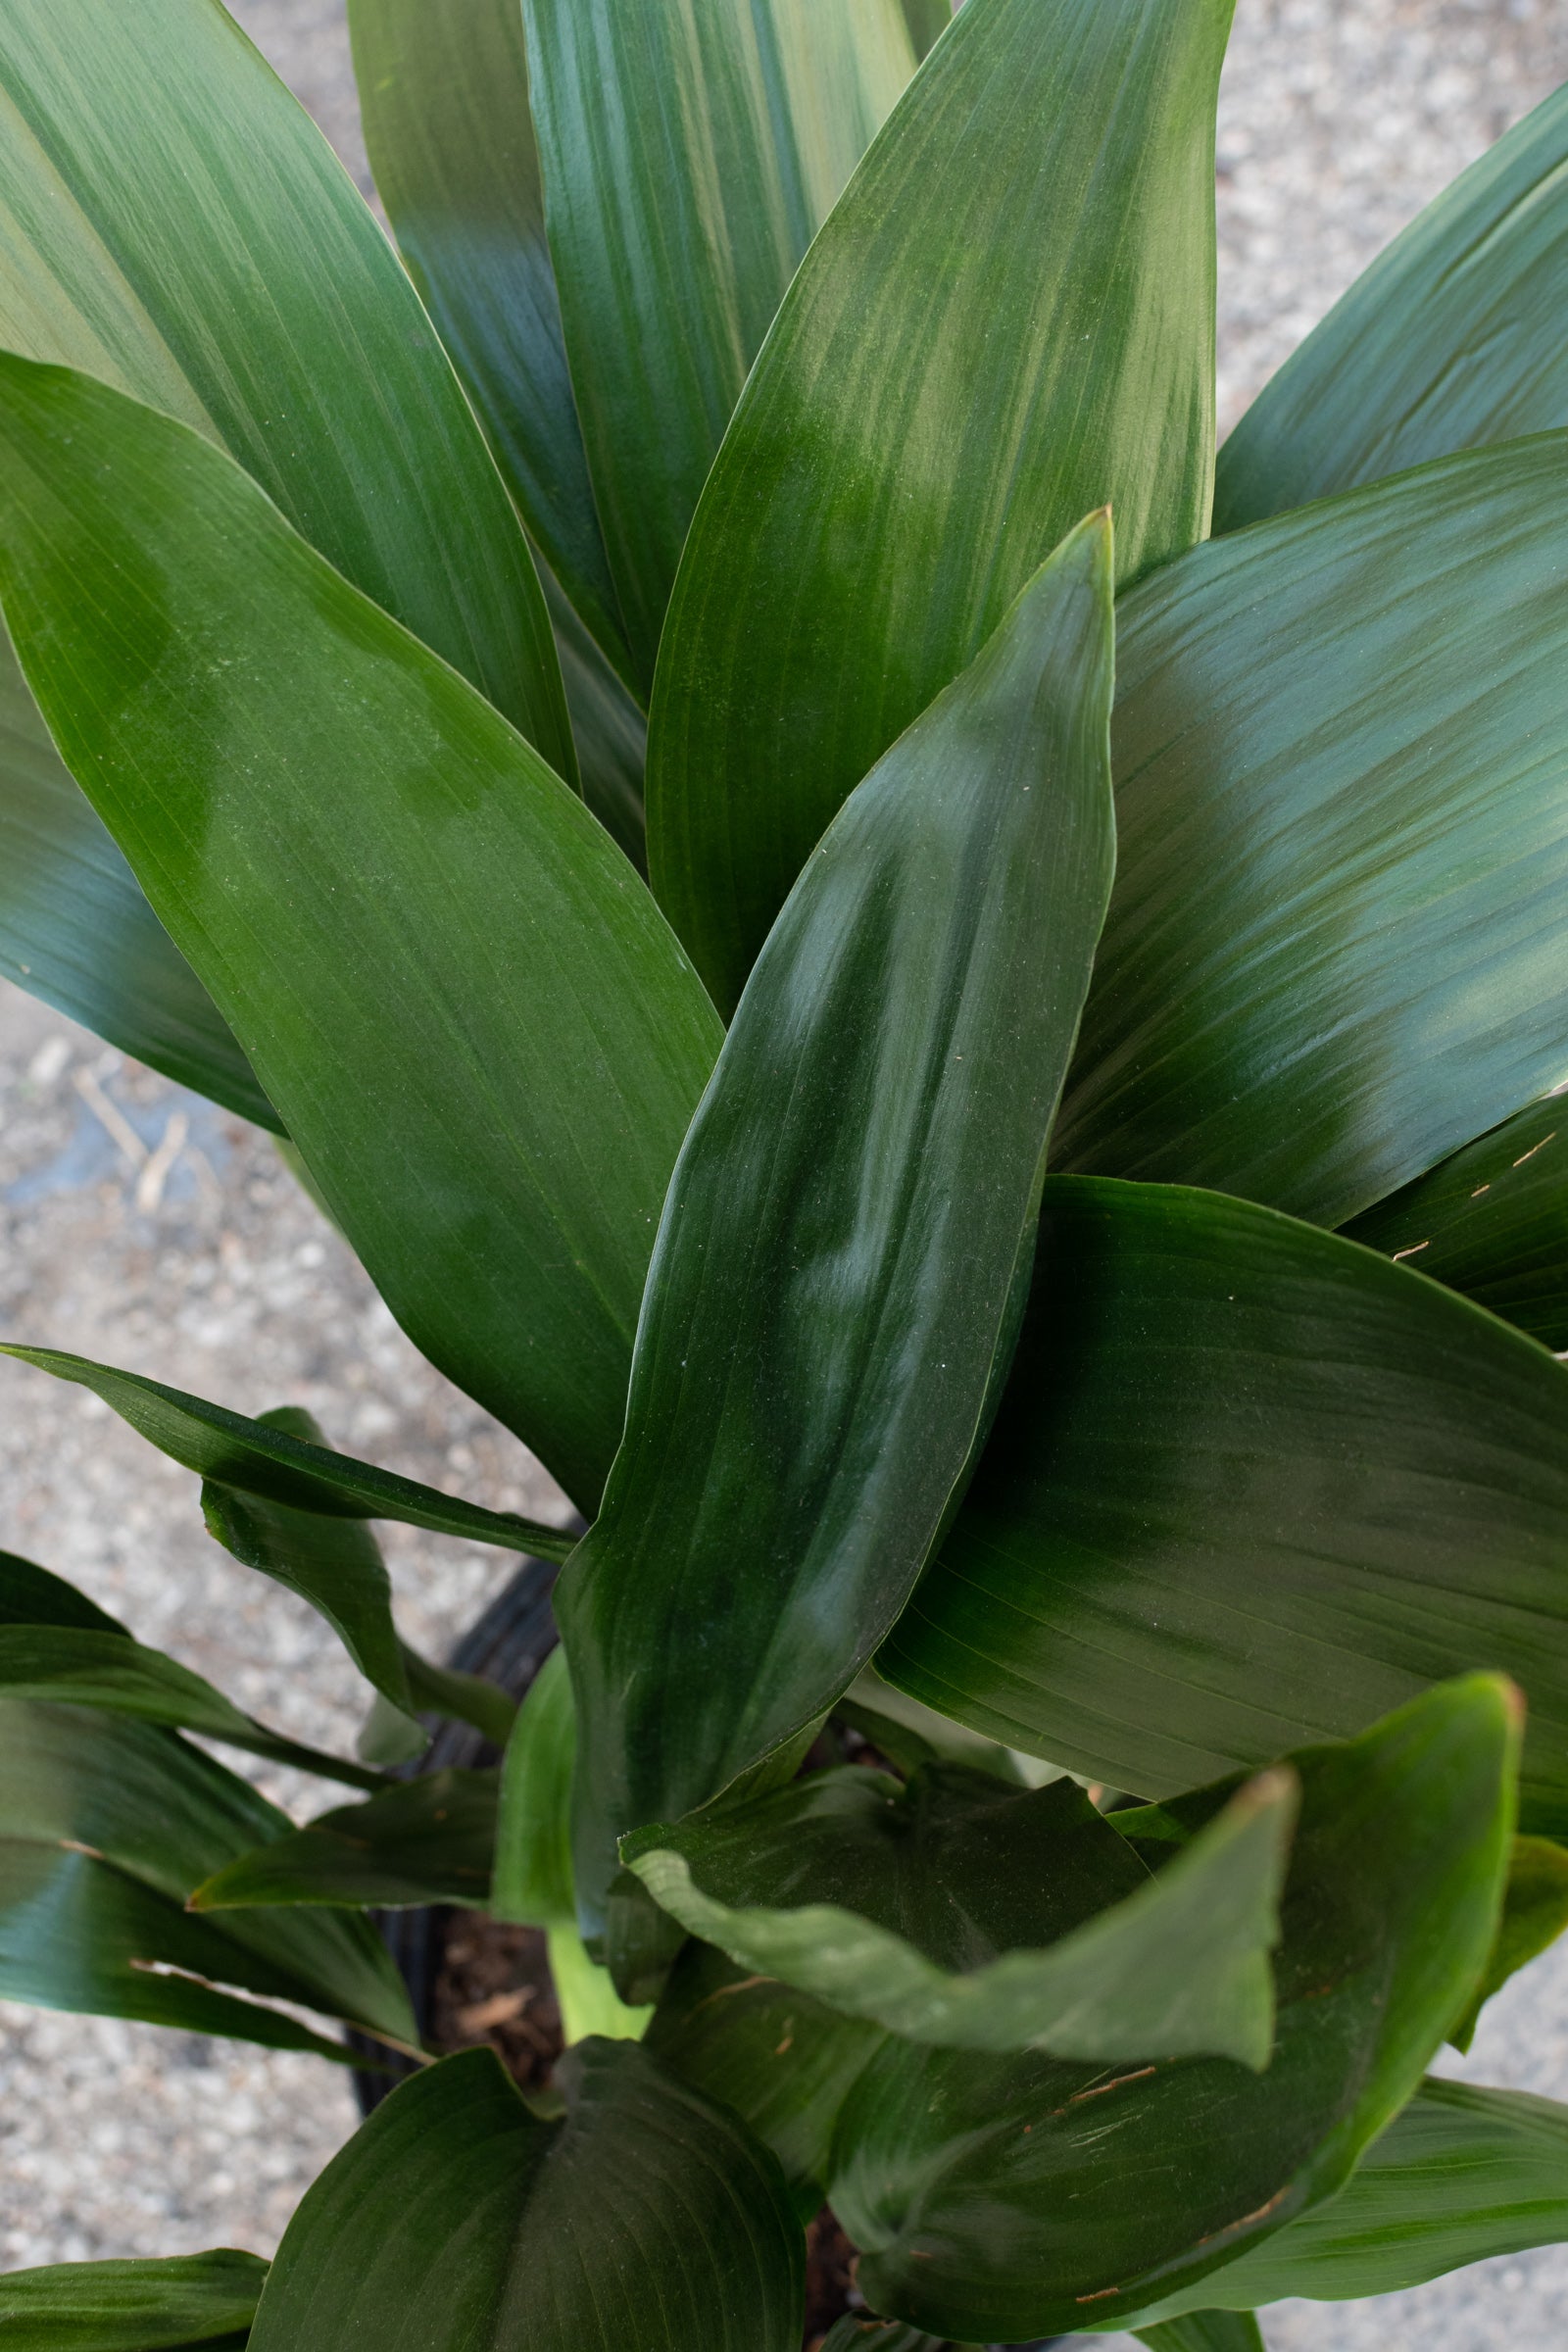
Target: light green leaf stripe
[{"x": 131, "y": 2305}]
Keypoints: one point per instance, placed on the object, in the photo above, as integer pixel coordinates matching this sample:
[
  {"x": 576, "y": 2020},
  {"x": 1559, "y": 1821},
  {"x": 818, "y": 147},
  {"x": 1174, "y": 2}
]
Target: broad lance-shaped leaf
[
  {"x": 824, "y": 1319},
  {"x": 1337, "y": 946},
  {"x": 1462, "y": 2175},
  {"x": 31, "y": 1596},
  {"x": 1007, "y": 319},
  {"x": 430, "y": 1841},
  {"x": 988, "y": 2194},
  {"x": 611, "y": 730},
  {"x": 443, "y": 91},
  {"x": 1534, "y": 1913},
  {"x": 106, "y": 1827},
  {"x": 205, "y": 2299},
  {"x": 690, "y": 155},
  {"x": 1491, "y": 1221},
  {"x": 1250, "y": 1486},
  {"x": 472, "y": 1018},
  {"x": 922, "y": 1910},
  {"x": 533, "y": 1877},
  {"x": 1448, "y": 341},
  {"x": 643, "y": 2216},
  {"x": 75, "y": 928}
]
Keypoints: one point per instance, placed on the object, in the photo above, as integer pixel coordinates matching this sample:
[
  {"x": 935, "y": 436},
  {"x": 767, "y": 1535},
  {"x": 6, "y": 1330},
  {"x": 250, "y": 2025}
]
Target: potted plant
[{"x": 1004, "y": 1155}]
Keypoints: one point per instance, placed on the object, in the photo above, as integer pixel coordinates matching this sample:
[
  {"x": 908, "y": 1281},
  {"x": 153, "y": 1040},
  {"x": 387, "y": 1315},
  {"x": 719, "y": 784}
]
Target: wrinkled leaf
[
  {"x": 822, "y": 1324},
  {"x": 1448, "y": 341},
  {"x": 1005, "y": 2197},
  {"x": 346, "y": 810},
  {"x": 1336, "y": 950},
  {"x": 1008, "y": 320},
  {"x": 131, "y": 2306},
  {"x": 533, "y": 1882},
  {"x": 645, "y": 2217},
  {"x": 1250, "y": 1486},
  {"x": 919, "y": 1909},
  {"x": 1534, "y": 1913},
  {"x": 428, "y": 1841}
]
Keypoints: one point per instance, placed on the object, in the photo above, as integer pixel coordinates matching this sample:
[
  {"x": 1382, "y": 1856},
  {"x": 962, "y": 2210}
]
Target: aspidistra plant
[{"x": 948, "y": 1008}]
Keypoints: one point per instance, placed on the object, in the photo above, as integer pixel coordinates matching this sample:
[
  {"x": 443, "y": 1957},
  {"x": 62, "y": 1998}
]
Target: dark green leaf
[
  {"x": 470, "y": 1699},
  {"x": 1250, "y": 1486},
  {"x": 129, "y": 2306},
  {"x": 533, "y": 1880},
  {"x": 444, "y": 100},
  {"x": 1448, "y": 342},
  {"x": 919, "y": 1909},
  {"x": 690, "y": 155},
  {"x": 1463, "y": 2175},
  {"x": 178, "y": 227},
  {"x": 75, "y": 928},
  {"x": 852, "y": 2334},
  {"x": 116, "y": 1821},
  {"x": 346, "y": 810},
  {"x": 1336, "y": 951},
  {"x": 1007, "y": 320},
  {"x": 1204, "y": 2331},
  {"x": 819, "y": 1341},
  {"x": 1534, "y": 1913},
  {"x": 1005, "y": 2197},
  {"x": 31, "y": 1596},
  {"x": 1491, "y": 1221},
  {"x": 611, "y": 731},
  {"x": 428, "y": 1841},
  {"x": 909, "y": 1733},
  {"x": 646, "y": 2216},
  {"x": 927, "y": 20}
]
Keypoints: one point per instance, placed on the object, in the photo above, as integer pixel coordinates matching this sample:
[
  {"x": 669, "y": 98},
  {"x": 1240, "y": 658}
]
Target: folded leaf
[
  {"x": 1448, "y": 341},
  {"x": 443, "y": 91},
  {"x": 109, "y": 1825},
  {"x": 1007, "y": 319},
  {"x": 690, "y": 155},
  {"x": 428, "y": 1841},
  {"x": 962, "y": 1912},
  {"x": 643, "y": 2217},
  {"x": 1204, "y": 2331},
  {"x": 1336, "y": 951},
  {"x": 1250, "y": 1486},
  {"x": 1534, "y": 1913},
  {"x": 131, "y": 2306},
  {"x": 1463, "y": 2175},
  {"x": 992, "y": 2196},
  {"x": 545, "y": 1023},
  {"x": 822, "y": 1323},
  {"x": 75, "y": 928},
  {"x": 1491, "y": 1221},
  {"x": 534, "y": 1881}
]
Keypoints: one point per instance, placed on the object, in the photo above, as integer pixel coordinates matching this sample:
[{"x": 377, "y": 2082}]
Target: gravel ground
[{"x": 142, "y": 1225}]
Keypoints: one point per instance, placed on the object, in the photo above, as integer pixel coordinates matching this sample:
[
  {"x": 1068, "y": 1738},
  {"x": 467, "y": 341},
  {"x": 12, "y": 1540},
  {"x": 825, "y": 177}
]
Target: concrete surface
[{"x": 144, "y": 1226}]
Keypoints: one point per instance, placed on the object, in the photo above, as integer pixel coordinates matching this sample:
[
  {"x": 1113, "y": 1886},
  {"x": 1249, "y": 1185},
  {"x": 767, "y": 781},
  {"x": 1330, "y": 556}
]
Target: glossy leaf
[
  {"x": 178, "y": 227},
  {"x": 1336, "y": 948},
  {"x": 821, "y": 1328},
  {"x": 1004, "y": 2197},
  {"x": 108, "y": 1826},
  {"x": 1007, "y": 320},
  {"x": 444, "y": 100},
  {"x": 690, "y": 155},
  {"x": 1463, "y": 2175},
  {"x": 643, "y": 2217},
  {"x": 1204, "y": 2331},
  {"x": 1491, "y": 1221},
  {"x": 1534, "y": 1913},
  {"x": 131, "y": 2306},
  {"x": 611, "y": 731},
  {"x": 1448, "y": 341},
  {"x": 1250, "y": 1486},
  {"x": 75, "y": 928},
  {"x": 429, "y": 1842},
  {"x": 918, "y": 1910},
  {"x": 534, "y": 1881}
]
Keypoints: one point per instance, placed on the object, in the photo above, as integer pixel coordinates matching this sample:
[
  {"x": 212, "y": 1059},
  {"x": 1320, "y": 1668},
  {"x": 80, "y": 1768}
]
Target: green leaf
[
  {"x": 586, "y": 1991},
  {"x": 1448, "y": 341},
  {"x": 178, "y": 227},
  {"x": 690, "y": 155},
  {"x": 1463, "y": 2175},
  {"x": 470, "y": 1699},
  {"x": 1007, "y": 319},
  {"x": 347, "y": 809},
  {"x": 1336, "y": 948},
  {"x": 922, "y": 1910},
  {"x": 851, "y": 2334},
  {"x": 75, "y": 928},
  {"x": 1534, "y": 1913},
  {"x": 429, "y": 1841},
  {"x": 643, "y": 2217},
  {"x": 611, "y": 730},
  {"x": 31, "y": 1596},
  {"x": 444, "y": 100},
  {"x": 1204, "y": 2331},
  {"x": 819, "y": 1341},
  {"x": 1491, "y": 1221},
  {"x": 533, "y": 1882},
  {"x": 1250, "y": 1486},
  {"x": 131, "y": 2306},
  {"x": 108, "y": 1826},
  {"x": 990, "y": 2196},
  {"x": 908, "y": 1734},
  {"x": 927, "y": 20}
]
